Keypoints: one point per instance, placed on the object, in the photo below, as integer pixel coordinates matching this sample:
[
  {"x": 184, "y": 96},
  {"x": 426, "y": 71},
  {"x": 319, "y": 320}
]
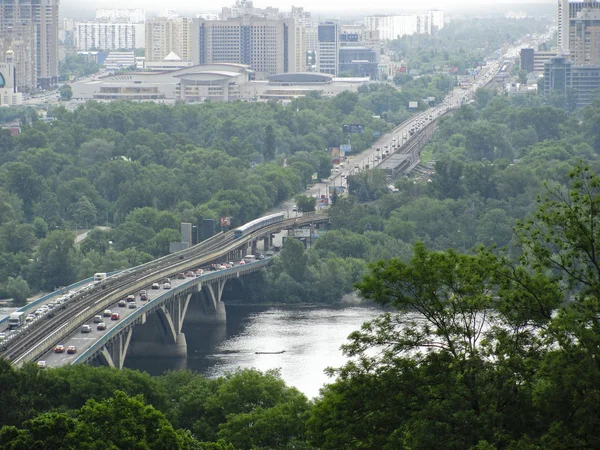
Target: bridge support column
[
  {"x": 113, "y": 354},
  {"x": 161, "y": 335},
  {"x": 266, "y": 243},
  {"x": 253, "y": 247},
  {"x": 207, "y": 306}
]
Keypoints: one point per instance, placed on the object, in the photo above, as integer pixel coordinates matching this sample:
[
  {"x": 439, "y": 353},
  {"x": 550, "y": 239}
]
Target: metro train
[{"x": 258, "y": 223}]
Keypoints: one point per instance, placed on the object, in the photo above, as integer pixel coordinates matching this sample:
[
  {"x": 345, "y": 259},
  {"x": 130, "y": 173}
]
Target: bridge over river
[{"x": 154, "y": 327}]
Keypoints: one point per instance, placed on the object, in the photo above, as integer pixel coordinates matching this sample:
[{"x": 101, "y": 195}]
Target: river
[{"x": 311, "y": 338}]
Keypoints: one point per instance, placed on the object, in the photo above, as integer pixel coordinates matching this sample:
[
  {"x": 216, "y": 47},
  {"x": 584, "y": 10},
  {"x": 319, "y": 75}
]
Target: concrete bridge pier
[
  {"x": 159, "y": 334},
  {"x": 113, "y": 354}
]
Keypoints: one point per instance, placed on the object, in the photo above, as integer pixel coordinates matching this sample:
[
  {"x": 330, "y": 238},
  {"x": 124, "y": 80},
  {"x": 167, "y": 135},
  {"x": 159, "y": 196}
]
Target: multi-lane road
[
  {"x": 82, "y": 341},
  {"x": 399, "y": 136}
]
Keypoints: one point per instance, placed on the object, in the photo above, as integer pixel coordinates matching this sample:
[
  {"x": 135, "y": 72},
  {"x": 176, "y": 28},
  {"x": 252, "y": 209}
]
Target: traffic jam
[{"x": 66, "y": 352}]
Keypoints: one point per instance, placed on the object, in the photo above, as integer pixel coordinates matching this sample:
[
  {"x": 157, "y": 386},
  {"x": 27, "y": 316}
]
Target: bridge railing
[
  {"x": 34, "y": 304},
  {"x": 148, "y": 306}
]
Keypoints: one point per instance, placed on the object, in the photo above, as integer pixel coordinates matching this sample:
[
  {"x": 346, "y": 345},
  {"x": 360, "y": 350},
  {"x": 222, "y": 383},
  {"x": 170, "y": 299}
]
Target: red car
[
  {"x": 181, "y": 276},
  {"x": 59, "y": 349},
  {"x": 71, "y": 349},
  {"x": 115, "y": 316}
]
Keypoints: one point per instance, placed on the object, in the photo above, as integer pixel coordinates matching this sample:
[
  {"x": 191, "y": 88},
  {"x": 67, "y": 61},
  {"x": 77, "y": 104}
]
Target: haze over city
[
  {"x": 318, "y": 225},
  {"x": 331, "y": 7}
]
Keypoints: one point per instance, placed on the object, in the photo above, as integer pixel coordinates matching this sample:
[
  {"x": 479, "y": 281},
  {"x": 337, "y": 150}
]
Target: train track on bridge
[
  {"x": 414, "y": 147},
  {"x": 36, "y": 340}
]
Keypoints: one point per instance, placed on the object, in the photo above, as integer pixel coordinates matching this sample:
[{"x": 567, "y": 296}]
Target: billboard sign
[
  {"x": 345, "y": 148},
  {"x": 225, "y": 222},
  {"x": 335, "y": 155},
  {"x": 299, "y": 233},
  {"x": 315, "y": 176},
  {"x": 338, "y": 189},
  {"x": 353, "y": 128},
  {"x": 413, "y": 104}
]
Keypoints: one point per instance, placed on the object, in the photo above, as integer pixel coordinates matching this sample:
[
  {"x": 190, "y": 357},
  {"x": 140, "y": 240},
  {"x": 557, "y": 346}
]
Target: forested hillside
[{"x": 144, "y": 168}]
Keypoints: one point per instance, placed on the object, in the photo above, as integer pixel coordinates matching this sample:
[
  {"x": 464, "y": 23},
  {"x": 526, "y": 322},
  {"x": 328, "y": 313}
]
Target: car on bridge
[
  {"x": 86, "y": 329},
  {"x": 130, "y": 298},
  {"x": 143, "y": 296},
  {"x": 71, "y": 349},
  {"x": 41, "y": 364},
  {"x": 101, "y": 326},
  {"x": 59, "y": 349},
  {"x": 190, "y": 274},
  {"x": 107, "y": 313},
  {"x": 155, "y": 286},
  {"x": 181, "y": 276},
  {"x": 132, "y": 305},
  {"x": 166, "y": 285},
  {"x": 115, "y": 316},
  {"x": 122, "y": 303}
]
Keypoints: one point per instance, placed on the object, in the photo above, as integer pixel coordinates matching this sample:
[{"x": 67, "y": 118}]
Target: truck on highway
[{"x": 15, "y": 320}]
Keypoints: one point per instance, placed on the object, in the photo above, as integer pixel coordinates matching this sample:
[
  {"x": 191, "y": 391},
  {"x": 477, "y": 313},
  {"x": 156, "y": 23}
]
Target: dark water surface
[{"x": 311, "y": 338}]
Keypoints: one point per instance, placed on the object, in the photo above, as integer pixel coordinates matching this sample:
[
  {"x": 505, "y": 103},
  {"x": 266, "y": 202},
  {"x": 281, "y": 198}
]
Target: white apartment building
[
  {"x": 267, "y": 46},
  {"x": 109, "y": 36},
  {"x": 394, "y": 27},
  {"x": 169, "y": 35}
]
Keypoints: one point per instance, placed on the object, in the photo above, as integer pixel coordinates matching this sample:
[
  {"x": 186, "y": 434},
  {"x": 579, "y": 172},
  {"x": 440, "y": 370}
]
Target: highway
[
  {"x": 400, "y": 134},
  {"x": 83, "y": 341}
]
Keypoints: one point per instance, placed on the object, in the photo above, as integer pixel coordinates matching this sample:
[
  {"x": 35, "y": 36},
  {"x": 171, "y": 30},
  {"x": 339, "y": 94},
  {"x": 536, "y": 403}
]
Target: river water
[{"x": 311, "y": 338}]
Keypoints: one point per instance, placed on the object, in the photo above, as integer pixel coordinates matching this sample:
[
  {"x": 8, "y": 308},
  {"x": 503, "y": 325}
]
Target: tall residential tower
[{"x": 29, "y": 28}]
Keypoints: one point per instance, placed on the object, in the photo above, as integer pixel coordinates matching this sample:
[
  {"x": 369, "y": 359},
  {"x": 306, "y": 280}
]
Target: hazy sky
[{"x": 309, "y": 5}]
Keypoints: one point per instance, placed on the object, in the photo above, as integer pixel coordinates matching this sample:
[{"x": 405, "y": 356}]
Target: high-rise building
[
  {"x": 301, "y": 42},
  {"x": 568, "y": 11},
  {"x": 394, "y": 27},
  {"x": 584, "y": 40},
  {"x": 29, "y": 28},
  {"x": 527, "y": 55},
  {"x": 109, "y": 36},
  {"x": 113, "y": 29},
  {"x": 268, "y": 46},
  {"x": 328, "y": 48},
  {"x": 166, "y": 35}
]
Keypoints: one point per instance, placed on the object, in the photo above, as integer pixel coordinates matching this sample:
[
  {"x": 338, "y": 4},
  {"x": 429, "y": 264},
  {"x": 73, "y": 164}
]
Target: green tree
[
  {"x": 65, "y": 91},
  {"x": 18, "y": 290},
  {"x": 55, "y": 259},
  {"x": 306, "y": 203},
  {"x": 294, "y": 259},
  {"x": 85, "y": 212},
  {"x": 269, "y": 148}
]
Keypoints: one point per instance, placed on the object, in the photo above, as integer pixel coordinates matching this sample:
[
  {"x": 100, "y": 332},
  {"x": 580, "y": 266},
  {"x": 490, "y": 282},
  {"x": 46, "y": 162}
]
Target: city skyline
[{"x": 377, "y": 7}]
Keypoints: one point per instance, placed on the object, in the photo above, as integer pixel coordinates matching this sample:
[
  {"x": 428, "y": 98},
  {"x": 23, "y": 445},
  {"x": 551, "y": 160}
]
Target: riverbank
[{"x": 350, "y": 299}]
